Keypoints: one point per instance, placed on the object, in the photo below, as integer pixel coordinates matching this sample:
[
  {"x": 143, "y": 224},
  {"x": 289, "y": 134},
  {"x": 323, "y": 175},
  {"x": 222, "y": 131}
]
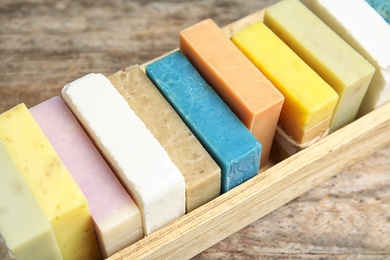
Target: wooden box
[{"x": 269, "y": 190}]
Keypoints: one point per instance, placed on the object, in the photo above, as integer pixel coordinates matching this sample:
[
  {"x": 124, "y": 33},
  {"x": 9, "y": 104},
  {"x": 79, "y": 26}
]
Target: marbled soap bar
[
  {"x": 201, "y": 173},
  {"x": 142, "y": 165},
  {"x": 61, "y": 200},
  {"x": 382, "y": 7},
  {"x": 26, "y": 230},
  {"x": 230, "y": 143},
  {"x": 344, "y": 69},
  {"x": 116, "y": 217},
  {"x": 368, "y": 33},
  {"x": 250, "y": 95},
  {"x": 309, "y": 101}
]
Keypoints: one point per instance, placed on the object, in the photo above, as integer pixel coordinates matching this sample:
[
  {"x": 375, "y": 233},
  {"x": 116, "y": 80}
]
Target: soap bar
[
  {"x": 24, "y": 227},
  {"x": 116, "y": 217},
  {"x": 229, "y": 142},
  {"x": 142, "y": 165},
  {"x": 62, "y": 202},
  {"x": 382, "y": 7},
  {"x": 248, "y": 93},
  {"x": 202, "y": 175},
  {"x": 368, "y": 33},
  {"x": 309, "y": 100},
  {"x": 344, "y": 69}
]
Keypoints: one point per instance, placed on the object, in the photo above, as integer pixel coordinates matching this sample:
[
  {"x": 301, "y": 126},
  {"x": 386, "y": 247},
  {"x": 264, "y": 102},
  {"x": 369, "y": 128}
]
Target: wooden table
[{"x": 45, "y": 44}]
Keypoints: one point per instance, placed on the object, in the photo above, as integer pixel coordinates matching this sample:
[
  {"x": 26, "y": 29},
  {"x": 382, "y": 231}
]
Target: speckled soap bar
[
  {"x": 202, "y": 175},
  {"x": 62, "y": 202},
  {"x": 230, "y": 143},
  {"x": 27, "y": 232}
]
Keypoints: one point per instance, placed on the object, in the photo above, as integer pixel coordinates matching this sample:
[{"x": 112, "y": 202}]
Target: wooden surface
[{"x": 45, "y": 44}]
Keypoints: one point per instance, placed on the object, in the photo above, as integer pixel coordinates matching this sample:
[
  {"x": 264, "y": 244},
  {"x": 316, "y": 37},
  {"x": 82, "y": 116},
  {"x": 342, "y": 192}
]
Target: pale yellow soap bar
[
  {"x": 309, "y": 100},
  {"x": 60, "y": 198},
  {"x": 202, "y": 175},
  {"x": 26, "y": 230},
  {"x": 344, "y": 69}
]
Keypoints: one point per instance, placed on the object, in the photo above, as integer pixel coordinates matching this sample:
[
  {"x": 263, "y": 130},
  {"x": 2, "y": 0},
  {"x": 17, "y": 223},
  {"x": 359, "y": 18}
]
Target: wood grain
[{"x": 44, "y": 44}]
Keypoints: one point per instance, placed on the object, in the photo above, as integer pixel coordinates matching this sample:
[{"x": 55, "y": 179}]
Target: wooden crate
[{"x": 269, "y": 190}]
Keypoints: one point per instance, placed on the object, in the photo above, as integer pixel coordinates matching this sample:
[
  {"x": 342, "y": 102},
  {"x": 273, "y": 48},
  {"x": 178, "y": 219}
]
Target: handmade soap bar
[
  {"x": 144, "y": 167},
  {"x": 201, "y": 173},
  {"x": 116, "y": 217},
  {"x": 382, "y": 7},
  {"x": 62, "y": 202},
  {"x": 249, "y": 94},
  {"x": 309, "y": 100},
  {"x": 366, "y": 31},
  {"x": 230, "y": 143},
  {"x": 344, "y": 69},
  {"x": 26, "y": 230}
]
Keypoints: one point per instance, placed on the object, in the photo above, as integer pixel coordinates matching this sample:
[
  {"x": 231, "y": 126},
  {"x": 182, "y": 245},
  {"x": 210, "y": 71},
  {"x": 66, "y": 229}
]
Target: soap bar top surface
[
  {"x": 61, "y": 200},
  {"x": 144, "y": 167},
  {"x": 248, "y": 93},
  {"x": 113, "y": 211},
  {"x": 201, "y": 173},
  {"x": 230, "y": 143},
  {"x": 368, "y": 33},
  {"x": 344, "y": 69},
  {"x": 24, "y": 226},
  {"x": 309, "y": 100},
  {"x": 382, "y": 7}
]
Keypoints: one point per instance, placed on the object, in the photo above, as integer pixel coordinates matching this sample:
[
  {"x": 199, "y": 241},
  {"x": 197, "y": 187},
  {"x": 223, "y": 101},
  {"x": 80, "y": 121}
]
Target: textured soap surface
[
  {"x": 116, "y": 217},
  {"x": 230, "y": 143},
  {"x": 382, "y": 7},
  {"x": 201, "y": 173},
  {"x": 142, "y": 165},
  {"x": 344, "y": 69},
  {"x": 309, "y": 100},
  {"x": 24, "y": 227},
  {"x": 368, "y": 33},
  {"x": 62, "y": 202},
  {"x": 248, "y": 93}
]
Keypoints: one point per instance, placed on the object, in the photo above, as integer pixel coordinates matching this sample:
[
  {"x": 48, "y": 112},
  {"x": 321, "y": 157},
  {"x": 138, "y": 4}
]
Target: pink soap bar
[{"x": 116, "y": 217}]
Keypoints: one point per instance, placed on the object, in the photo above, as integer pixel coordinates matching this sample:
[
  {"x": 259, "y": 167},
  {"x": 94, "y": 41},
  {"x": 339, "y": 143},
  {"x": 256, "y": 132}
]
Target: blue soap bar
[
  {"x": 382, "y": 7},
  {"x": 229, "y": 142}
]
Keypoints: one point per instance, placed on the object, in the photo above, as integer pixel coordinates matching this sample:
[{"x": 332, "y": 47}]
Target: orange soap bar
[{"x": 248, "y": 93}]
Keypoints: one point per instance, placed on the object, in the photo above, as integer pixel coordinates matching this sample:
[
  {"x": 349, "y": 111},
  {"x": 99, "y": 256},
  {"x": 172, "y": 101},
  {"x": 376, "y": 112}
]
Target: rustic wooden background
[{"x": 46, "y": 43}]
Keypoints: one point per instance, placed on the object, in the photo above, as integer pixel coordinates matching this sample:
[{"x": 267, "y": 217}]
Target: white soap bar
[
  {"x": 144, "y": 167},
  {"x": 368, "y": 33}
]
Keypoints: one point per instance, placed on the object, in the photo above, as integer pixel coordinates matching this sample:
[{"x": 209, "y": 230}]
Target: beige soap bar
[
  {"x": 202, "y": 175},
  {"x": 61, "y": 200}
]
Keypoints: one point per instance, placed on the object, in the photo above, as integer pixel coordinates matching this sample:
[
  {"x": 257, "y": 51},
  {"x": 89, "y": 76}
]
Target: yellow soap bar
[
  {"x": 309, "y": 100},
  {"x": 201, "y": 173},
  {"x": 343, "y": 68},
  {"x": 255, "y": 101},
  {"x": 55, "y": 190}
]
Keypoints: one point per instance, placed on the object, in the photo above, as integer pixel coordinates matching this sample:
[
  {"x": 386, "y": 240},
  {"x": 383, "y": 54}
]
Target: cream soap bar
[
  {"x": 62, "y": 202},
  {"x": 309, "y": 101},
  {"x": 201, "y": 173},
  {"x": 251, "y": 96},
  {"x": 116, "y": 217},
  {"x": 368, "y": 33},
  {"x": 344, "y": 69},
  {"x": 24, "y": 227},
  {"x": 144, "y": 167}
]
